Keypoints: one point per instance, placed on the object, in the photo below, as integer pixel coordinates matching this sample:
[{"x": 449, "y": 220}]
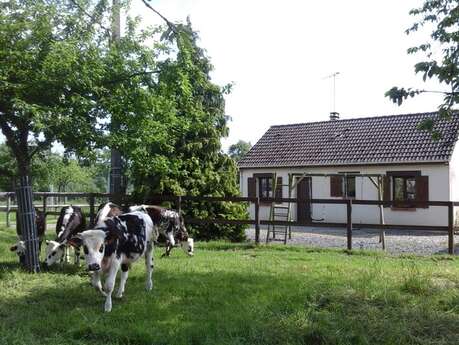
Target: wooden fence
[{"x": 256, "y": 222}]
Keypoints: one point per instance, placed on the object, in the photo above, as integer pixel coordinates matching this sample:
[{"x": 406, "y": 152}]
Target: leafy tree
[
  {"x": 443, "y": 16},
  {"x": 61, "y": 80},
  {"x": 8, "y": 169},
  {"x": 238, "y": 150},
  {"x": 173, "y": 142}
]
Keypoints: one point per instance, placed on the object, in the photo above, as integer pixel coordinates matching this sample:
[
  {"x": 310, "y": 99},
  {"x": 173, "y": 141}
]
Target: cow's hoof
[
  {"x": 149, "y": 286},
  {"x": 108, "y": 307},
  {"x": 119, "y": 295}
]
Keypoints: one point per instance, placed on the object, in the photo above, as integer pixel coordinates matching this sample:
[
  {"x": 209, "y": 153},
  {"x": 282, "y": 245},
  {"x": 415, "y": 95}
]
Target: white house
[{"x": 412, "y": 165}]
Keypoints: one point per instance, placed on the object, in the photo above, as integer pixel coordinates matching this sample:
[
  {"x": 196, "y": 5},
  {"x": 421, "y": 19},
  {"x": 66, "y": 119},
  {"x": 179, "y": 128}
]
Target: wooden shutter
[
  {"x": 252, "y": 187},
  {"x": 422, "y": 190},
  {"x": 386, "y": 189},
  {"x": 278, "y": 193},
  {"x": 336, "y": 186}
]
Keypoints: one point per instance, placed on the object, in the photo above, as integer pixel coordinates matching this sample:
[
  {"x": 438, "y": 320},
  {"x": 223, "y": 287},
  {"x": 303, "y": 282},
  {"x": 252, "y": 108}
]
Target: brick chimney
[{"x": 334, "y": 116}]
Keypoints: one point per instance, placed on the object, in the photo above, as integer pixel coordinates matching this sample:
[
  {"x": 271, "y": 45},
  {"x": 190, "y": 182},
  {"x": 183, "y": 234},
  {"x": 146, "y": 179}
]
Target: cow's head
[
  {"x": 188, "y": 246},
  {"x": 187, "y": 243},
  {"x": 19, "y": 248},
  {"x": 95, "y": 241},
  {"x": 54, "y": 252}
]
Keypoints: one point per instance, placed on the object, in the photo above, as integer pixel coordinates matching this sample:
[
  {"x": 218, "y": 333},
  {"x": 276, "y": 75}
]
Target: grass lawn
[{"x": 237, "y": 294}]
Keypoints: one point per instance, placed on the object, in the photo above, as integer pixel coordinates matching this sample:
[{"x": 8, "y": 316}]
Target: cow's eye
[
  {"x": 85, "y": 249},
  {"x": 101, "y": 249}
]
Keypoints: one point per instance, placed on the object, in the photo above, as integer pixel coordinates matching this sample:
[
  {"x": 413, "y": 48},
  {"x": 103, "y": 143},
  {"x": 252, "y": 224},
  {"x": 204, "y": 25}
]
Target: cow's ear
[
  {"x": 13, "y": 248},
  {"x": 75, "y": 241}
]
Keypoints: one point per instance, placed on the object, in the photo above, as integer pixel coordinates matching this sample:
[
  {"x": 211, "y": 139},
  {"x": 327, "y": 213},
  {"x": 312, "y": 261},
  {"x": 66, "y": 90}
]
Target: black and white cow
[
  {"x": 171, "y": 225},
  {"x": 20, "y": 247},
  {"x": 121, "y": 241},
  {"x": 106, "y": 211},
  {"x": 71, "y": 221}
]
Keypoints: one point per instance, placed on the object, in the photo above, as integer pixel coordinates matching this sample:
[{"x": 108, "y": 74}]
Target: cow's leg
[
  {"x": 96, "y": 282},
  {"x": 123, "y": 279},
  {"x": 170, "y": 243},
  {"x": 76, "y": 252},
  {"x": 110, "y": 283},
  {"x": 149, "y": 264}
]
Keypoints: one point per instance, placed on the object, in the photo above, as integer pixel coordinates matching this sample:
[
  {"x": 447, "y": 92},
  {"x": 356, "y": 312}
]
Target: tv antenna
[{"x": 333, "y": 75}]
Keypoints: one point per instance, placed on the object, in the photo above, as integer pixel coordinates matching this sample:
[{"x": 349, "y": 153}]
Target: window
[
  {"x": 342, "y": 186},
  {"x": 408, "y": 189},
  {"x": 265, "y": 187},
  {"x": 404, "y": 189},
  {"x": 349, "y": 187}
]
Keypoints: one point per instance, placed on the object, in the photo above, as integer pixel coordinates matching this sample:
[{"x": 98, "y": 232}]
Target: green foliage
[
  {"x": 443, "y": 16},
  {"x": 52, "y": 170},
  {"x": 238, "y": 150},
  {"x": 61, "y": 79},
  {"x": 172, "y": 136},
  {"x": 239, "y": 294}
]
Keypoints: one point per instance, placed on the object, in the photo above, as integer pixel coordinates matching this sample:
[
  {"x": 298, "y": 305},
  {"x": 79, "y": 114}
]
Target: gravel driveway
[{"x": 397, "y": 241}]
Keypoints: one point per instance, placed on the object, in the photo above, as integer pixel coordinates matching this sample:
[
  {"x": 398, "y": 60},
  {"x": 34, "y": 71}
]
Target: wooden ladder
[{"x": 281, "y": 213}]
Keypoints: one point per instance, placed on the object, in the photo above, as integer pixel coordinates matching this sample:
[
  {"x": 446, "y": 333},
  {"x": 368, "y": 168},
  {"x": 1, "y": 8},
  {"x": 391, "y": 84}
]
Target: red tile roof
[{"x": 370, "y": 140}]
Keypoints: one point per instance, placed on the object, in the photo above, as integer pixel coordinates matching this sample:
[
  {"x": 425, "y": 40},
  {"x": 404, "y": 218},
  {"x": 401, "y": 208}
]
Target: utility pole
[{"x": 117, "y": 185}]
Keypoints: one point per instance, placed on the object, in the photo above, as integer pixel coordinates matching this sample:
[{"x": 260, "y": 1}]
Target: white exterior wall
[
  {"x": 440, "y": 189},
  {"x": 454, "y": 182}
]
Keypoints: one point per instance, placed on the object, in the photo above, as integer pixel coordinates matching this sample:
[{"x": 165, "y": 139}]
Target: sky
[{"x": 279, "y": 53}]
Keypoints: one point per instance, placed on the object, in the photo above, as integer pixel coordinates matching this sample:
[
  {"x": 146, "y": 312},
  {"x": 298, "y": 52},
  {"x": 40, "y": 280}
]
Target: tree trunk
[{"x": 26, "y": 215}]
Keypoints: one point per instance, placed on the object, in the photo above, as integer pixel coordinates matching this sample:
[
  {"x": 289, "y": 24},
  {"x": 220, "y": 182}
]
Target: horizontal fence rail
[{"x": 178, "y": 200}]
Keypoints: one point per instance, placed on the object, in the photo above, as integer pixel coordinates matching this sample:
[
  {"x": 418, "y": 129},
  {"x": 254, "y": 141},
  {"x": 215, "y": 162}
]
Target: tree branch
[
  {"x": 114, "y": 81},
  {"x": 41, "y": 145},
  {"x": 9, "y": 134},
  {"x": 168, "y": 22},
  {"x": 108, "y": 31}
]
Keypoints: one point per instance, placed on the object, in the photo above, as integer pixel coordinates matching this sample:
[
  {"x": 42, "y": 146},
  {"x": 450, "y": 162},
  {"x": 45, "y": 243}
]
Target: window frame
[
  {"x": 404, "y": 176},
  {"x": 259, "y": 177},
  {"x": 345, "y": 181},
  {"x": 269, "y": 186}
]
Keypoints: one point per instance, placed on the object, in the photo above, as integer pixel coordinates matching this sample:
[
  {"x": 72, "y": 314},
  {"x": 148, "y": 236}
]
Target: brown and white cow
[
  {"x": 20, "y": 247},
  {"x": 118, "y": 242},
  {"x": 106, "y": 211},
  {"x": 171, "y": 225}
]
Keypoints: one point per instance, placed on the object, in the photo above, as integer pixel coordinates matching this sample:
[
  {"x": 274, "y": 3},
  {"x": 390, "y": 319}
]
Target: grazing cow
[
  {"x": 171, "y": 225},
  {"x": 20, "y": 247},
  {"x": 120, "y": 242},
  {"x": 70, "y": 222},
  {"x": 106, "y": 211}
]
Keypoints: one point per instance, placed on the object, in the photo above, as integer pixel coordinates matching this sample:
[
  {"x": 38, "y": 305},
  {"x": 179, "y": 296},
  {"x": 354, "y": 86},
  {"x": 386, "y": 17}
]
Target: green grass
[{"x": 239, "y": 294}]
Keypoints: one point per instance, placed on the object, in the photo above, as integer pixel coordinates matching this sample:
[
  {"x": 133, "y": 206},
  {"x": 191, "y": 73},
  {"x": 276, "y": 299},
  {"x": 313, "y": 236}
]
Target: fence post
[
  {"x": 257, "y": 220},
  {"x": 349, "y": 223},
  {"x": 179, "y": 204},
  {"x": 44, "y": 209},
  {"x": 91, "y": 210},
  {"x": 451, "y": 228},
  {"x": 8, "y": 209}
]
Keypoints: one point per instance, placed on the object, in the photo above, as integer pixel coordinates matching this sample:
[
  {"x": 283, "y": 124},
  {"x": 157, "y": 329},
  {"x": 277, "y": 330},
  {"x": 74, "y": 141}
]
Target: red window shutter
[
  {"x": 336, "y": 186},
  {"x": 279, "y": 187},
  {"x": 422, "y": 190},
  {"x": 386, "y": 189},
  {"x": 252, "y": 187}
]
